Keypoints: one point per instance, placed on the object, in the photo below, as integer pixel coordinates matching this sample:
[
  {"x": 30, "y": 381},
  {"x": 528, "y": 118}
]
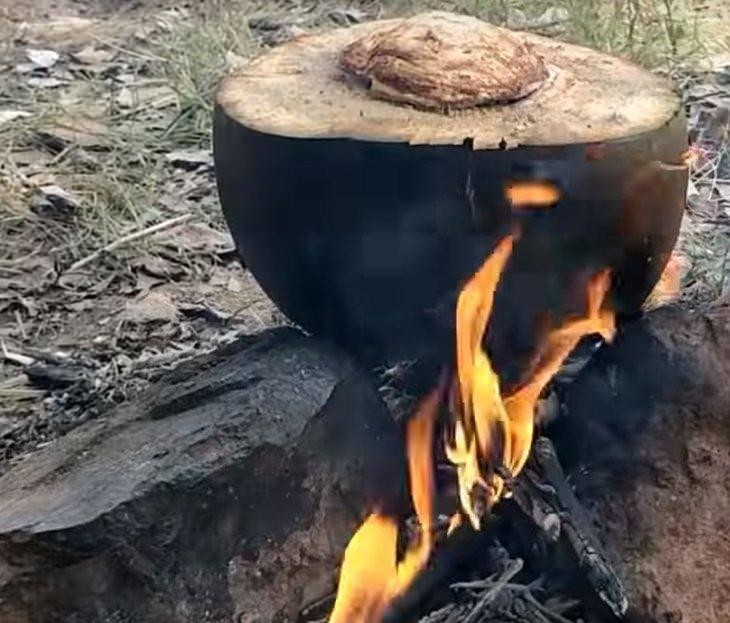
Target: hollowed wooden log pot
[{"x": 362, "y": 173}]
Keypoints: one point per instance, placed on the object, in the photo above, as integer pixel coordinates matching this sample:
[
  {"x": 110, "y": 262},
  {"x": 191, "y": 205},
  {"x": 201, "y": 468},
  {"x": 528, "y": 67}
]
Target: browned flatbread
[{"x": 441, "y": 60}]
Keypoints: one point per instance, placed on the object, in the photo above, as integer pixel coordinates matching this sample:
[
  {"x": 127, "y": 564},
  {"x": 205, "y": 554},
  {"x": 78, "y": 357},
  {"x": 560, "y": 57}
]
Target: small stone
[
  {"x": 44, "y": 59},
  {"x": 6, "y": 116}
]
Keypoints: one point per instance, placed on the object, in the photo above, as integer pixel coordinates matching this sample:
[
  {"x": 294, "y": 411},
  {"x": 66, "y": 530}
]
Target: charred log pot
[{"x": 363, "y": 175}]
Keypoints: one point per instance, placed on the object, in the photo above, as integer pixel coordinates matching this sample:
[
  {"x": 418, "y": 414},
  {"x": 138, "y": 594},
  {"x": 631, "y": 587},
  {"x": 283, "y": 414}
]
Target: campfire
[
  {"x": 475, "y": 198},
  {"x": 487, "y": 438},
  {"x": 468, "y": 225}
]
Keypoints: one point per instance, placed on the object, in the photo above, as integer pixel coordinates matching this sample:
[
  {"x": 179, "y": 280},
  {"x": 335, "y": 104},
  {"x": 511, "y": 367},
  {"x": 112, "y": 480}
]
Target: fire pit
[
  {"x": 367, "y": 172},
  {"x": 386, "y": 180},
  {"x": 462, "y": 208}
]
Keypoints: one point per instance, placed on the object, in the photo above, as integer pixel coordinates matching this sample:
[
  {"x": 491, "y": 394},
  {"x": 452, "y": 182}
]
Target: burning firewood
[{"x": 529, "y": 191}]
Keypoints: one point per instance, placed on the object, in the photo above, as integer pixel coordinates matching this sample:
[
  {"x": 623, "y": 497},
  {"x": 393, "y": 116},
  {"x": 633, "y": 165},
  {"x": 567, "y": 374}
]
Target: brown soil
[
  {"x": 685, "y": 557},
  {"x": 661, "y": 481}
]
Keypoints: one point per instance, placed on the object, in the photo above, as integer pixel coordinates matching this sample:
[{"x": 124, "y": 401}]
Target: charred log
[
  {"x": 544, "y": 493},
  {"x": 230, "y": 489}
]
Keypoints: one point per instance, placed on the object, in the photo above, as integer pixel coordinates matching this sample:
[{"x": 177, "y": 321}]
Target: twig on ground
[
  {"x": 20, "y": 324},
  {"x": 14, "y": 381},
  {"x": 21, "y": 360},
  {"x": 514, "y": 567},
  {"x": 147, "y": 231}
]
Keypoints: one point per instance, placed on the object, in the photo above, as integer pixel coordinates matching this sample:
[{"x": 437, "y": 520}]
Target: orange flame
[
  {"x": 520, "y": 405},
  {"x": 493, "y": 431},
  {"x": 482, "y": 411},
  {"x": 371, "y": 575},
  {"x": 490, "y": 435},
  {"x": 532, "y": 194},
  {"x": 667, "y": 288}
]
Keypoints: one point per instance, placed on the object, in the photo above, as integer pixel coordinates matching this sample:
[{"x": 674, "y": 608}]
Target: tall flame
[
  {"x": 492, "y": 432},
  {"x": 371, "y": 574},
  {"x": 488, "y": 437},
  {"x": 482, "y": 410}
]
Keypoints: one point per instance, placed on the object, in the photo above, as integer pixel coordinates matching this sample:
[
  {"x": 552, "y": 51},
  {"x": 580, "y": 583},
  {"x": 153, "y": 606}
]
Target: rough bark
[{"x": 228, "y": 490}]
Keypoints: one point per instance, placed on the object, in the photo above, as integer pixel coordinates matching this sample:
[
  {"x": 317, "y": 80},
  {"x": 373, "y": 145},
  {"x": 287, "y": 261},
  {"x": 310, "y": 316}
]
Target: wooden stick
[
  {"x": 136, "y": 235},
  {"x": 514, "y": 567},
  {"x": 542, "y": 491}
]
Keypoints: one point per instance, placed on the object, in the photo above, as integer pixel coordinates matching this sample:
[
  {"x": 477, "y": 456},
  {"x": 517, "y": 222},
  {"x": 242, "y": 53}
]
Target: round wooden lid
[{"x": 443, "y": 79}]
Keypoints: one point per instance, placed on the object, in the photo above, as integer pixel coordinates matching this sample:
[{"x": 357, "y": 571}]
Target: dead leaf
[
  {"x": 78, "y": 130},
  {"x": 44, "y": 59},
  {"x": 157, "y": 266},
  {"x": 52, "y": 201},
  {"x": 144, "y": 32},
  {"x": 146, "y": 95},
  {"x": 75, "y": 281},
  {"x": 234, "y": 285},
  {"x": 143, "y": 283},
  {"x": 59, "y": 29},
  {"x": 196, "y": 237},
  {"x": 44, "y": 83},
  {"x": 6, "y": 116},
  {"x": 25, "y": 68},
  {"x": 35, "y": 266},
  {"x": 82, "y": 306},
  {"x": 154, "y": 306},
  {"x": 91, "y": 55},
  {"x": 33, "y": 159},
  {"x": 59, "y": 196},
  {"x": 102, "y": 285},
  {"x": 210, "y": 314},
  {"x": 126, "y": 78}
]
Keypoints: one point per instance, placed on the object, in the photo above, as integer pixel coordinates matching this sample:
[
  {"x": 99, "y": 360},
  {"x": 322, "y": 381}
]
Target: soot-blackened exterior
[{"x": 369, "y": 242}]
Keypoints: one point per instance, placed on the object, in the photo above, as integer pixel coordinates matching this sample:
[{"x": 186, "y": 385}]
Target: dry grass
[{"x": 651, "y": 32}]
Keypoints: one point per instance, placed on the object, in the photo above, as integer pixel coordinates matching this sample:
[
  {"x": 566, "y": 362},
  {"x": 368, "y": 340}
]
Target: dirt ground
[{"x": 114, "y": 261}]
